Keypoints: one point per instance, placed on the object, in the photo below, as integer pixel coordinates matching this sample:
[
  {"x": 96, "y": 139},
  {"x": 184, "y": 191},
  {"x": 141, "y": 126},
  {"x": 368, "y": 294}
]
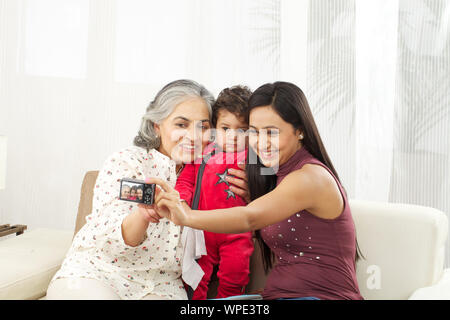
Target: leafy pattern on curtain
[{"x": 421, "y": 158}]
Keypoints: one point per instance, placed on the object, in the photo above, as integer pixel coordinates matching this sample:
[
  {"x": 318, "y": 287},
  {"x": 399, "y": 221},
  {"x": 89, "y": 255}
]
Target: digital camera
[{"x": 137, "y": 191}]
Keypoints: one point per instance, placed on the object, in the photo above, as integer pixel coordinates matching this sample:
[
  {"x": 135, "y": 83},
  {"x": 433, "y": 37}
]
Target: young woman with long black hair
[{"x": 300, "y": 211}]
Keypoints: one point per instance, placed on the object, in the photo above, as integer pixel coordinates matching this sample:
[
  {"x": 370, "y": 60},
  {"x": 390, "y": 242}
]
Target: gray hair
[{"x": 162, "y": 106}]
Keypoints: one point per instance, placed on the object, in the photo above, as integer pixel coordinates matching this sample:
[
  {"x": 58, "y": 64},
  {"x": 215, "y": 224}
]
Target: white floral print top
[{"x": 98, "y": 250}]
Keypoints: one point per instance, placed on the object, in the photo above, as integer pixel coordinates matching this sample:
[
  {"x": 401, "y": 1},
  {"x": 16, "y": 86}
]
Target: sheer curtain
[
  {"x": 379, "y": 84},
  {"x": 76, "y": 76},
  {"x": 384, "y": 107},
  {"x": 219, "y": 43}
]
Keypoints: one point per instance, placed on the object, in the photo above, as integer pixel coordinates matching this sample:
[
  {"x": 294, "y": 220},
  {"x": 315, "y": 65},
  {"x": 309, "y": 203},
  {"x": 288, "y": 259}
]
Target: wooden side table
[{"x": 6, "y": 229}]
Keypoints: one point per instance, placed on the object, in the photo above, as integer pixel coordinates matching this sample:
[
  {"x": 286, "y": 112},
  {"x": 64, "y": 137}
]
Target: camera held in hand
[{"x": 137, "y": 191}]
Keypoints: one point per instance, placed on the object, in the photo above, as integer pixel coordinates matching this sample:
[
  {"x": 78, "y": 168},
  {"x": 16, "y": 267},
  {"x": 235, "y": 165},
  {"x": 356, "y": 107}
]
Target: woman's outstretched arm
[{"x": 296, "y": 192}]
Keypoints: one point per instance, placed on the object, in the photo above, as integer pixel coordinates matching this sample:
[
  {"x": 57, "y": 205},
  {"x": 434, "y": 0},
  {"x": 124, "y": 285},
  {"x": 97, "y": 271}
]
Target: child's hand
[{"x": 239, "y": 182}]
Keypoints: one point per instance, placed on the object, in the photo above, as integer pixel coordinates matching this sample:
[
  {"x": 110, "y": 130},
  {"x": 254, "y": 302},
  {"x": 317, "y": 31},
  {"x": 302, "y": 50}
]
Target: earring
[{"x": 300, "y": 136}]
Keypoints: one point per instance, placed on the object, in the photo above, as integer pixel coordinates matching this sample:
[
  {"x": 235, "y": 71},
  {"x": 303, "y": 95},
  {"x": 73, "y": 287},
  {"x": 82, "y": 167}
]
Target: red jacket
[{"x": 215, "y": 191}]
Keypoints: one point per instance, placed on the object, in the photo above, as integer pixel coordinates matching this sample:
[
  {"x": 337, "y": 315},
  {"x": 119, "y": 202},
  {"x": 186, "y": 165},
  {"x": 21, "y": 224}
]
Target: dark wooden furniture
[{"x": 6, "y": 229}]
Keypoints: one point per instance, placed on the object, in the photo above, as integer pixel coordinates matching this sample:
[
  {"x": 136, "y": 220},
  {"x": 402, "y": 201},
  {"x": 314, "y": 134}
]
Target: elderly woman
[{"x": 118, "y": 254}]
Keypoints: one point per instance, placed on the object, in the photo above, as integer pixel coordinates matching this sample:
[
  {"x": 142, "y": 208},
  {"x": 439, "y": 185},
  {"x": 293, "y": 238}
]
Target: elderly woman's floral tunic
[{"x": 98, "y": 250}]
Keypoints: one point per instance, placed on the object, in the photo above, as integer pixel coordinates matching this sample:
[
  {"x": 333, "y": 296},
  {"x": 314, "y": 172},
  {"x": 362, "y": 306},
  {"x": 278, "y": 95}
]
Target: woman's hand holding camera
[{"x": 168, "y": 203}]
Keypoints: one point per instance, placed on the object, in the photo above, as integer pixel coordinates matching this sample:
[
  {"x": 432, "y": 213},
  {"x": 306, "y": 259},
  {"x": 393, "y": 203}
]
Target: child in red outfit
[{"x": 230, "y": 251}]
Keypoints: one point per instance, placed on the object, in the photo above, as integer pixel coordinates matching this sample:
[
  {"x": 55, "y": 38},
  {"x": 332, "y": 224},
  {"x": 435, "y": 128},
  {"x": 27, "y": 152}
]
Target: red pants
[{"x": 232, "y": 253}]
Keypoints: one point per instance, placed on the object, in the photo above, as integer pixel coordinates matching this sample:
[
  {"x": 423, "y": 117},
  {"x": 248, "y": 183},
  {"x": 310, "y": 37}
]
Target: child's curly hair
[{"x": 234, "y": 100}]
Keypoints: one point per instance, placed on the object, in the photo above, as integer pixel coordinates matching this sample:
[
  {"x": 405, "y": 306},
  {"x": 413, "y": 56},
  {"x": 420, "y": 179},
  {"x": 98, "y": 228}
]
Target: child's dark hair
[{"x": 234, "y": 100}]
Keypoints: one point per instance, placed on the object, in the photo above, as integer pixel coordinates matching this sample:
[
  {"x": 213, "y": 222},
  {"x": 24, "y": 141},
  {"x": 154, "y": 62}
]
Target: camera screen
[{"x": 136, "y": 191}]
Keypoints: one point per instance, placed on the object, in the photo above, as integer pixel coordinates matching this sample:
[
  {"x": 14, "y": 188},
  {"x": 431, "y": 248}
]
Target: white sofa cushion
[
  {"x": 438, "y": 291},
  {"x": 404, "y": 246},
  {"x": 29, "y": 261}
]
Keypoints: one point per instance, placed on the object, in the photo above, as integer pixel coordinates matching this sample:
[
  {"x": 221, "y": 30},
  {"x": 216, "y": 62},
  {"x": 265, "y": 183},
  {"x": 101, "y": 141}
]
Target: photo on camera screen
[
  {"x": 136, "y": 191},
  {"x": 131, "y": 191}
]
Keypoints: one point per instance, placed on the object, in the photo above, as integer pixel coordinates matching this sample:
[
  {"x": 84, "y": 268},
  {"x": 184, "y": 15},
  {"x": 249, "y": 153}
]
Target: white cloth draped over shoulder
[{"x": 194, "y": 247}]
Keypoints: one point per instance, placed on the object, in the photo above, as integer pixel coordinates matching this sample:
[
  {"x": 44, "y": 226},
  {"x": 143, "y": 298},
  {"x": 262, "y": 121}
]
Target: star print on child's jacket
[
  {"x": 215, "y": 189},
  {"x": 222, "y": 179}
]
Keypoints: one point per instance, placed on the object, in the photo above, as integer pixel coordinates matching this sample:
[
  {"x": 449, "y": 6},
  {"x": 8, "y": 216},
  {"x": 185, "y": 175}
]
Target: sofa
[{"x": 403, "y": 248}]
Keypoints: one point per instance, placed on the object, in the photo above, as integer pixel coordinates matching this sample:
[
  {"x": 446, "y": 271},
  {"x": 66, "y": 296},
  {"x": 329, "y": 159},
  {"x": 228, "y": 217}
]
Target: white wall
[{"x": 63, "y": 124}]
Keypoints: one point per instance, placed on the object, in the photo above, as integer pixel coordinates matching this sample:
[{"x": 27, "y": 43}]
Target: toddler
[{"x": 231, "y": 252}]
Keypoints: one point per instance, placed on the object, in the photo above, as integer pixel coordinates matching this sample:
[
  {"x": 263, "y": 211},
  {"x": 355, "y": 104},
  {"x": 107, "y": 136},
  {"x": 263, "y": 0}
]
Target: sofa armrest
[
  {"x": 439, "y": 291},
  {"x": 28, "y": 262}
]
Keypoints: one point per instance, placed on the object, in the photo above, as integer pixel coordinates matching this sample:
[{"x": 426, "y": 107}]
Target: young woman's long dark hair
[{"x": 290, "y": 103}]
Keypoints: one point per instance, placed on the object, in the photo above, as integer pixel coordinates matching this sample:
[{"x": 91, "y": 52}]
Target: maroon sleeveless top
[{"x": 315, "y": 256}]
